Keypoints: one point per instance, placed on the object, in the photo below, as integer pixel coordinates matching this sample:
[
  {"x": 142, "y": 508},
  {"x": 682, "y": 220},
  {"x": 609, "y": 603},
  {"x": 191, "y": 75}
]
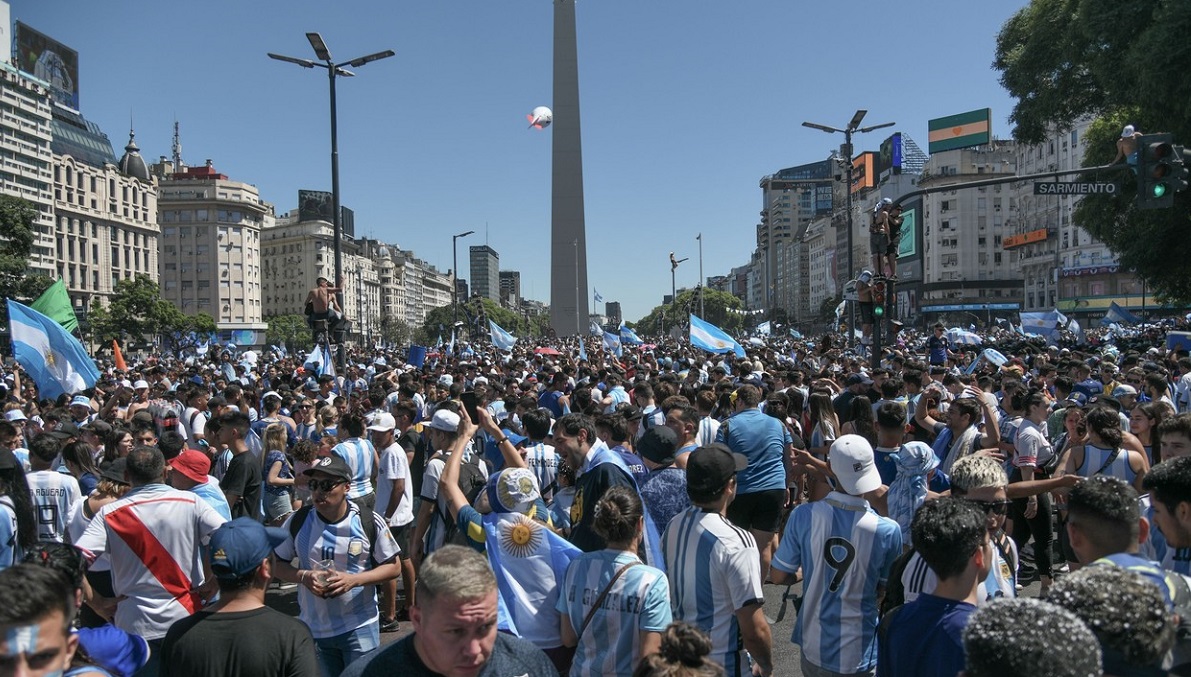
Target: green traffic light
[
  {"x": 1159, "y": 189},
  {"x": 878, "y": 311}
]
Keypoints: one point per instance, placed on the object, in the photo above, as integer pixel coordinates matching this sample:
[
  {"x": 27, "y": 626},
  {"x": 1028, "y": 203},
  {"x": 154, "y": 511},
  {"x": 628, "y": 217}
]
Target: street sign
[{"x": 1077, "y": 187}]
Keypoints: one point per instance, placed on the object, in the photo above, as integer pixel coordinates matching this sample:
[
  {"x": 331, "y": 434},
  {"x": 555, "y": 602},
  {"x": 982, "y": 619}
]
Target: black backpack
[
  {"x": 367, "y": 519},
  {"x": 895, "y": 592},
  {"x": 471, "y": 483}
]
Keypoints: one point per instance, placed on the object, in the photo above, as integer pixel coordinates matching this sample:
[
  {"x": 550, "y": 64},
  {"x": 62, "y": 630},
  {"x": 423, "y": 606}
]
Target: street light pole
[
  {"x": 455, "y": 282},
  {"x": 853, "y": 127},
  {"x": 334, "y": 70}
]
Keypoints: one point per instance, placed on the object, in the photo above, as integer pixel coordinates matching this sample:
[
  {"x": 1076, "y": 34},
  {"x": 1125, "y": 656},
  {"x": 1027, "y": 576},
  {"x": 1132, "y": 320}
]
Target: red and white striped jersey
[{"x": 153, "y": 538}]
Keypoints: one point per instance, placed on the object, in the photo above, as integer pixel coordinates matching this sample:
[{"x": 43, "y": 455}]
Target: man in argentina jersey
[
  {"x": 845, "y": 551},
  {"x": 714, "y": 567},
  {"x": 539, "y": 456},
  {"x": 338, "y": 567},
  {"x": 152, "y": 537},
  {"x": 53, "y": 493},
  {"x": 360, "y": 456}
]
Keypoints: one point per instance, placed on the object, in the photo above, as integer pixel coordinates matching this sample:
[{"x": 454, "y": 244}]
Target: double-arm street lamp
[
  {"x": 334, "y": 70},
  {"x": 846, "y": 150}
]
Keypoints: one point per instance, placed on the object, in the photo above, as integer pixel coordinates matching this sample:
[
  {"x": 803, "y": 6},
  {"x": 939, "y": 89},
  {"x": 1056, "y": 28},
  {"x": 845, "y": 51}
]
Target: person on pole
[{"x": 321, "y": 304}]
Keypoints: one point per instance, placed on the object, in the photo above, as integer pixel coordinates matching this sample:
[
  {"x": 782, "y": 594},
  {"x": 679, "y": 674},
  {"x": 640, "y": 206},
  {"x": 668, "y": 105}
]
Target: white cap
[
  {"x": 81, "y": 401},
  {"x": 1128, "y": 131},
  {"x": 446, "y": 380},
  {"x": 15, "y": 415},
  {"x": 851, "y": 459},
  {"x": 141, "y": 383},
  {"x": 383, "y": 422},
  {"x": 446, "y": 420}
]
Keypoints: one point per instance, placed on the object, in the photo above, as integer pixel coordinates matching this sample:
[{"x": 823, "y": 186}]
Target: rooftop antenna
[{"x": 177, "y": 148}]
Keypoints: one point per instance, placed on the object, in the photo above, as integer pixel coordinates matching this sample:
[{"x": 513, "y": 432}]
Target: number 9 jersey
[{"x": 845, "y": 550}]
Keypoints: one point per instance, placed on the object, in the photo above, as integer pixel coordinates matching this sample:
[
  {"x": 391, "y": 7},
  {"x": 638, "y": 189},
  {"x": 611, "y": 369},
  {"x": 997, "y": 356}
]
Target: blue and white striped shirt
[
  {"x": 360, "y": 456},
  {"x": 1095, "y": 457},
  {"x": 714, "y": 570},
  {"x": 543, "y": 461},
  {"x": 708, "y": 427},
  {"x": 845, "y": 550},
  {"x": 638, "y": 602},
  {"x": 345, "y": 542}
]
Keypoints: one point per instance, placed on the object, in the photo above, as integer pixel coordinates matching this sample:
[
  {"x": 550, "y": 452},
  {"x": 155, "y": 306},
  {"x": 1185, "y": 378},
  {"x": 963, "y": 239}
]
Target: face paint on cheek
[{"x": 21, "y": 640}]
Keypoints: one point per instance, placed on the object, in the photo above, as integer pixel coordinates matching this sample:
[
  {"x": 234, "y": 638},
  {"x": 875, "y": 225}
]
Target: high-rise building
[
  {"x": 965, "y": 268},
  {"x": 612, "y": 311},
  {"x": 25, "y": 141},
  {"x": 510, "y": 288},
  {"x": 568, "y": 230},
  {"x": 211, "y": 248},
  {"x": 485, "y": 272}
]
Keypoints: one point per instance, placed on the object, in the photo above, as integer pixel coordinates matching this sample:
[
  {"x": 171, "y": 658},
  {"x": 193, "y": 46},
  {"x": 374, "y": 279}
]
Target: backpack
[
  {"x": 367, "y": 519},
  {"x": 471, "y": 483},
  {"x": 895, "y": 592}
]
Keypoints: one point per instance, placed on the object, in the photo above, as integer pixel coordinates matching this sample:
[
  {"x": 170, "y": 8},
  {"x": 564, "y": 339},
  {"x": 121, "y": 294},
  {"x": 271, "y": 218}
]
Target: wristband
[{"x": 502, "y": 440}]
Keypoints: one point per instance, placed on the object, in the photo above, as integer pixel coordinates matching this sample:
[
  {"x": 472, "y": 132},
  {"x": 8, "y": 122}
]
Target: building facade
[
  {"x": 25, "y": 140},
  {"x": 510, "y": 288},
  {"x": 485, "y": 272},
  {"x": 210, "y": 259}
]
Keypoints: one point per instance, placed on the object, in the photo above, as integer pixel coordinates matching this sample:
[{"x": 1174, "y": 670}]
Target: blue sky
[{"x": 685, "y": 107}]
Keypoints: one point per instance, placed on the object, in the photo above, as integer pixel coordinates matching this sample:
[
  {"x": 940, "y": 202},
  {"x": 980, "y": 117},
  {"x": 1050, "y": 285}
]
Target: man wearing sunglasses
[{"x": 340, "y": 561}]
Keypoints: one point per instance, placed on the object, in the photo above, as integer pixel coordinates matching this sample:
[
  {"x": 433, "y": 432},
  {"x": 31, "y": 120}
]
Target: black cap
[
  {"x": 331, "y": 465},
  {"x": 709, "y": 468},
  {"x": 64, "y": 430},
  {"x": 97, "y": 426},
  {"x": 114, "y": 471},
  {"x": 658, "y": 445}
]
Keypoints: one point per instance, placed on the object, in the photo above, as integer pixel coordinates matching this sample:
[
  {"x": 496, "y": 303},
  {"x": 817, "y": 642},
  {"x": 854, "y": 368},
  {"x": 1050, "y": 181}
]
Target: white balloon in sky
[{"x": 540, "y": 118}]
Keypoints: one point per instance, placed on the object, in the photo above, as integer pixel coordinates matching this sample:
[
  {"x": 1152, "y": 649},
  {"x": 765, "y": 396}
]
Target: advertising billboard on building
[
  {"x": 964, "y": 130},
  {"x": 47, "y": 59},
  {"x": 315, "y": 205},
  {"x": 889, "y": 160},
  {"x": 864, "y": 171}
]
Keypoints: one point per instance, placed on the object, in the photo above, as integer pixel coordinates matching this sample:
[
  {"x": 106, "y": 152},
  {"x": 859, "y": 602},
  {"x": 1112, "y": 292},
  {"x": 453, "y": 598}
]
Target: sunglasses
[
  {"x": 323, "y": 485},
  {"x": 1133, "y": 381},
  {"x": 993, "y": 507}
]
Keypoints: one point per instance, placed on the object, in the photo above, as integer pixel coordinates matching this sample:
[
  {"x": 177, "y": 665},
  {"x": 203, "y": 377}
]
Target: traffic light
[
  {"x": 1182, "y": 160},
  {"x": 1156, "y": 171},
  {"x": 879, "y": 310}
]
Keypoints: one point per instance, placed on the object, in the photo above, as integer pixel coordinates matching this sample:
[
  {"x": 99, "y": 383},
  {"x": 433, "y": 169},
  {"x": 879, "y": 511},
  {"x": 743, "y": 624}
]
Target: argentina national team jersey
[
  {"x": 54, "y": 494},
  {"x": 714, "y": 570},
  {"x": 360, "y": 456},
  {"x": 708, "y": 427},
  {"x": 543, "y": 461},
  {"x": 845, "y": 550},
  {"x": 639, "y": 601},
  {"x": 1095, "y": 458},
  {"x": 347, "y": 544}
]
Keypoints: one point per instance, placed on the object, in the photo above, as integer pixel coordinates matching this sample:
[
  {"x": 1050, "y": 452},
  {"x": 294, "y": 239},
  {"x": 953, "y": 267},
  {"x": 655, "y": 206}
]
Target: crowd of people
[{"x": 531, "y": 512}]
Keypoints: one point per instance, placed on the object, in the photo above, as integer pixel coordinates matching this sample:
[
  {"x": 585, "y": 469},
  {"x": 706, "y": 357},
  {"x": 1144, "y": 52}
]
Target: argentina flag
[
  {"x": 54, "y": 359},
  {"x": 596, "y": 293},
  {"x": 582, "y": 350},
  {"x": 707, "y": 336},
  {"x": 529, "y": 562},
  {"x": 500, "y": 338},
  {"x": 612, "y": 343},
  {"x": 629, "y": 337}
]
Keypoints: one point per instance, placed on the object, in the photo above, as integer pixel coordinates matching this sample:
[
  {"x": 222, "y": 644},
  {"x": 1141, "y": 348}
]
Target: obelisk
[{"x": 568, "y": 236}]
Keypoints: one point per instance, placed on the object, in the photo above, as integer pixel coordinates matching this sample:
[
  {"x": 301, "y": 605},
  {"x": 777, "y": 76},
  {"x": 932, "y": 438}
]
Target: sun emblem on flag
[
  {"x": 720, "y": 343},
  {"x": 520, "y": 537},
  {"x": 49, "y": 359}
]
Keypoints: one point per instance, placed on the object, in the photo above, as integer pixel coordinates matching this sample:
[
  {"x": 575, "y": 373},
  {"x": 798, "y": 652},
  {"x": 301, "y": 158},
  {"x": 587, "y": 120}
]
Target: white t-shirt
[
  {"x": 394, "y": 465},
  {"x": 53, "y": 494}
]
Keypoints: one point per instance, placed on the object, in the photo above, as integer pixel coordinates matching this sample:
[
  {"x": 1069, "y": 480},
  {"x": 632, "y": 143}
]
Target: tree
[
  {"x": 718, "y": 306},
  {"x": 1124, "y": 62},
  {"x": 394, "y": 331},
  {"x": 291, "y": 331},
  {"x": 138, "y": 312},
  {"x": 17, "y": 216}
]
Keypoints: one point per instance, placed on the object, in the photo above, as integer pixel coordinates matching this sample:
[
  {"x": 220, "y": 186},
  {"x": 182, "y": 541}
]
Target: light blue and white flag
[
  {"x": 612, "y": 343},
  {"x": 707, "y": 336},
  {"x": 500, "y": 338},
  {"x": 1118, "y": 315},
  {"x": 202, "y": 348},
  {"x": 582, "y": 349},
  {"x": 598, "y": 298},
  {"x": 530, "y": 562},
  {"x": 320, "y": 361},
  {"x": 764, "y": 328},
  {"x": 794, "y": 333},
  {"x": 629, "y": 337},
  {"x": 596, "y": 330},
  {"x": 54, "y": 359}
]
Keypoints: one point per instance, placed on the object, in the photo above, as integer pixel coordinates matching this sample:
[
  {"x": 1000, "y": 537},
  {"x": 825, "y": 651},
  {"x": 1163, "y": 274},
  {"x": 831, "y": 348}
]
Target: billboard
[
  {"x": 889, "y": 160},
  {"x": 347, "y": 221},
  {"x": 315, "y": 205},
  {"x": 864, "y": 171},
  {"x": 908, "y": 244},
  {"x": 964, "y": 130},
  {"x": 47, "y": 59}
]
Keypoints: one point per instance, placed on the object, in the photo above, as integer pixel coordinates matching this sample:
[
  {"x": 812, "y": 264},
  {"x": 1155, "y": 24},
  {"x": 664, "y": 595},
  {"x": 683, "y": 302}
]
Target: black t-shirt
[
  {"x": 510, "y": 656},
  {"x": 590, "y": 488},
  {"x": 243, "y": 478},
  {"x": 414, "y": 442},
  {"x": 261, "y": 643}
]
